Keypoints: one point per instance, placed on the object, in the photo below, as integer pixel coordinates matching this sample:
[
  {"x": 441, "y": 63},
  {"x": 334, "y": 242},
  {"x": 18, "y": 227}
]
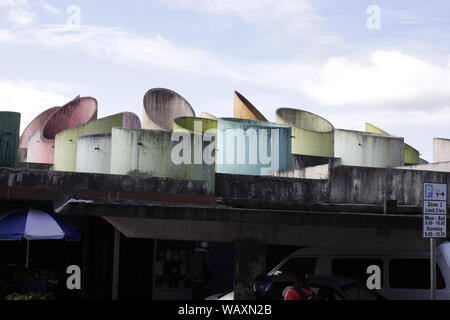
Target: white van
[{"x": 405, "y": 276}]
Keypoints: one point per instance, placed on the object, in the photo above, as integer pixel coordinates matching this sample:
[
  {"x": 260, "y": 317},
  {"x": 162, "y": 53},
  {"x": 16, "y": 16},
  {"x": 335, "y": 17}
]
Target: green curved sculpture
[
  {"x": 412, "y": 156},
  {"x": 192, "y": 125},
  {"x": 312, "y": 134}
]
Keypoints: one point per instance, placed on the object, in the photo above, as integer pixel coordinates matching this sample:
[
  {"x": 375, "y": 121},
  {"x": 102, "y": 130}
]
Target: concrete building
[
  {"x": 31, "y": 129},
  {"x": 66, "y": 142},
  {"x": 41, "y": 145},
  {"x": 312, "y": 134},
  {"x": 162, "y": 107},
  {"x": 94, "y": 154},
  {"x": 207, "y": 115},
  {"x": 195, "y": 125},
  {"x": 356, "y": 148},
  {"x": 250, "y": 147},
  {"x": 412, "y": 156},
  {"x": 161, "y": 154},
  {"x": 243, "y": 109},
  {"x": 441, "y": 150},
  {"x": 9, "y": 138}
]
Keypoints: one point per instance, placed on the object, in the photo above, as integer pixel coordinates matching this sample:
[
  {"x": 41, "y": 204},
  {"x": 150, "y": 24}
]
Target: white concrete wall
[
  {"x": 94, "y": 154},
  {"x": 441, "y": 150},
  {"x": 363, "y": 149},
  {"x": 439, "y": 167}
]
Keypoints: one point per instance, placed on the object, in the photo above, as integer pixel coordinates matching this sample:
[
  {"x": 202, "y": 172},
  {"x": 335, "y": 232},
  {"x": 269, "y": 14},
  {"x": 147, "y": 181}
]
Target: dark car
[{"x": 340, "y": 288}]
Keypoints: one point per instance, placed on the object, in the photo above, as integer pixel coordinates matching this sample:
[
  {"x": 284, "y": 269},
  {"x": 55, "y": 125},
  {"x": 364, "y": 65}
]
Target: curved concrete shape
[
  {"x": 412, "y": 156},
  {"x": 41, "y": 145},
  {"x": 441, "y": 150},
  {"x": 9, "y": 138},
  {"x": 66, "y": 142},
  {"x": 155, "y": 153},
  {"x": 162, "y": 107},
  {"x": 94, "y": 154},
  {"x": 251, "y": 147},
  {"x": 364, "y": 149},
  {"x": 243, "y": 109},
  {"x": 312, "y": 134},
  {"x": 207, "y": 115},
  {"x": 32, "y": 128},
  {"x": 195, "y": 125}
]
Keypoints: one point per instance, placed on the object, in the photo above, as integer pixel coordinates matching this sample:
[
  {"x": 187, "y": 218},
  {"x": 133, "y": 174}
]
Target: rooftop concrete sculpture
[
  {"x": 151, "y": 152},
  {"x": 243, "y": 109},
  {"x": 9, "y": 138},
  {"x": 207, "y": 115},
  {"x": 441, "y": 150},
  {"x": 41, "y": 145},
  {"x": 412, "y": 156},
  {"x": 66, "y": 142},
  {"x": 162, "y": 107},
  {"x": 195, "y": 125},
  {"x": 312, "y": 134},
  {"x": 251, "y": 147},
  {"x": 31, "y": 129},
  {"x": 94, "y": 154},
  {"x": 362, "y": 149}
]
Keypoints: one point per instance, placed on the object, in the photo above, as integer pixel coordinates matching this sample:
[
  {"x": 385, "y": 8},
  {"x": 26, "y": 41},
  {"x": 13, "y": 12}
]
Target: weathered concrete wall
[
  {"x": 441, "y": 167},
  {"x": 376, "y": 185},
  {"x": 94, "y": 154},
  {"x": 149, "y": 152},
  {"x": 412, "y": 156},
  {"x": 441, "y": 150},
  {"x": 317, "y": 172},
  {"x": 243, "y": 109},
  {"x": 312, "y": 135},
  {"x": 37, "y": 124},
  {"x": 9, "y": 138},
  {"x": 363, "y": 149},
  {"x": 300, "y": 162},
  {"x": 243, "y": 146},
  {"x": 66, "y": 142},
  {"x": 162, "y": 107},
  {"x": 272, "y": 188},
  {"x": 41, "y": 145}
]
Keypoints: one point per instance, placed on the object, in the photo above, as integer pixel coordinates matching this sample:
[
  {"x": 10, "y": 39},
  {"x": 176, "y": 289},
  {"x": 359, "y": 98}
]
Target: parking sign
[{"x": 434, "y": 210}]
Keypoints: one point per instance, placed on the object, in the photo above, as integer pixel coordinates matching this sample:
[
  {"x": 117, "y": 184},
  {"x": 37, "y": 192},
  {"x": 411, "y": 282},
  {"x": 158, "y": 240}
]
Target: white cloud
[
  {"x": 21, "y": 17},
  {"x": 31, "y": 98},
  {"x": 297, "y": 14},
  {"x": 390, "y": 79}
]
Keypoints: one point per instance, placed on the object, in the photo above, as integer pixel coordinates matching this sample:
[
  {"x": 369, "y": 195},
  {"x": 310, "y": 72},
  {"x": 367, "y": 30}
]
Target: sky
[{"x": 350, "y": 61}]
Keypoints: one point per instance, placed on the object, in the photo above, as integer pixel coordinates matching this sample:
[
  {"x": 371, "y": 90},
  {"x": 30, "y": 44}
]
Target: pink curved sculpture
[
  {"x": 41, "y": 144},
  {"x": 31, "y": 129}
]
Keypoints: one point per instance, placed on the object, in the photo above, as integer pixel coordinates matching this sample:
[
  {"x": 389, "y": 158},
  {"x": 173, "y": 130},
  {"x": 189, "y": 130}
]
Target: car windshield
[{"x": 356, "y": 292}]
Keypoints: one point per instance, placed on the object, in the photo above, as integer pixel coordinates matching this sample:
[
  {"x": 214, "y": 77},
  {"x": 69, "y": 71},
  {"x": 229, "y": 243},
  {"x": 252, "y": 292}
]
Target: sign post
[{"x": 434, "y": 222}]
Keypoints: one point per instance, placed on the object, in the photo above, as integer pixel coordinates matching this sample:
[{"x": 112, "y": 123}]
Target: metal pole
[
  {"x": 433, "y": 267},
  {"x": 28, "y": 254},
  {"x": 115, "y": 286}
]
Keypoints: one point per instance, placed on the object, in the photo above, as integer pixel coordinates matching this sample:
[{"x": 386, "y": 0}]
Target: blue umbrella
[{"x": 35, "y": 225}]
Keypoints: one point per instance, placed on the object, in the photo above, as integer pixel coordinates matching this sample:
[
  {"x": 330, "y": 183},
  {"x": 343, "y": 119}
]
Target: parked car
[{"x": 404, "y": 275}]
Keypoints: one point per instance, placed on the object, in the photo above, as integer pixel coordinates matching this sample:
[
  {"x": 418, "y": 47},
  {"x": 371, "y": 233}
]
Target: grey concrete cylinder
[{"x": 252, "y": 147}]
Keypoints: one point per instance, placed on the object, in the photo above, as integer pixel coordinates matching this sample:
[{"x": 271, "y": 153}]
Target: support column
[
  {"x": 250, "y": 261},
  {"x": 115, "y": 281}
]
